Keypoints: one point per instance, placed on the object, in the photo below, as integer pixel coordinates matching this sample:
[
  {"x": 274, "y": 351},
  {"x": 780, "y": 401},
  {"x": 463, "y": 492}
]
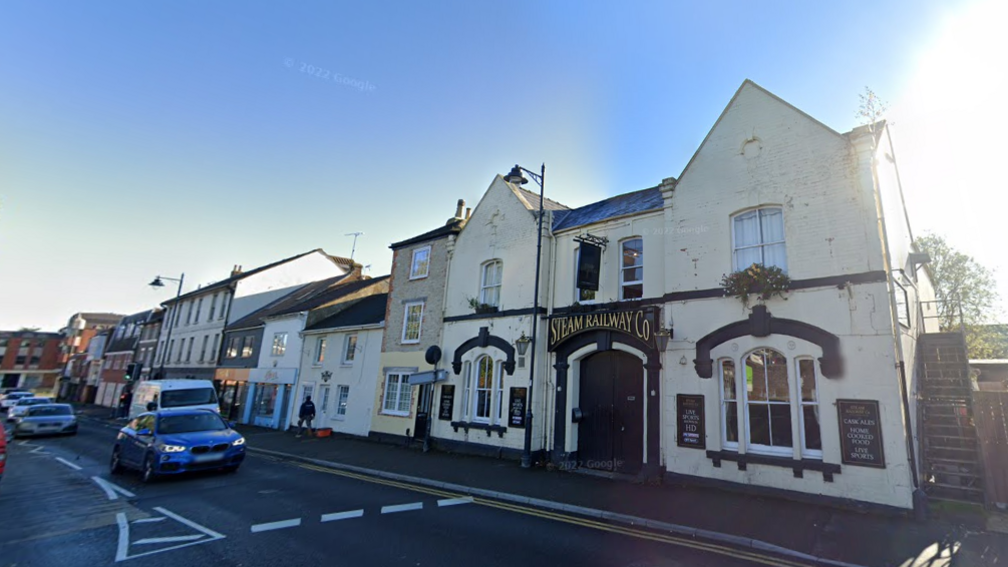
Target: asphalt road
[{"x": 60, "y": 506}]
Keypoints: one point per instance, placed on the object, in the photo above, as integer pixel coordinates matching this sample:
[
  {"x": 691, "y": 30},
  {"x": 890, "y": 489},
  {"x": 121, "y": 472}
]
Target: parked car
[
  {"x": 21, "y": 406},
  {"x": 154, "y": 395},
  {"x": 8, "y": 400},
  {"x": 46, "y": 419},
  {"x": 177, "y": 441}
]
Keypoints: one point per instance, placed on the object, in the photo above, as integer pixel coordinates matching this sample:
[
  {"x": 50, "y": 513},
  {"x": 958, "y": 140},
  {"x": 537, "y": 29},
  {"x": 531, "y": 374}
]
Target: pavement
[{"x": 813, "y": 533}]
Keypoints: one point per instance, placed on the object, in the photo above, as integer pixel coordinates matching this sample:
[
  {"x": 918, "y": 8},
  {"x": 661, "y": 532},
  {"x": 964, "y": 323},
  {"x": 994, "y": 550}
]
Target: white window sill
[
  {"x": 346, "y": 364},
  {"x": 411, "y": 278},
  {"x": 396, "y": 413},
  {"x": 416, "y": 342}
]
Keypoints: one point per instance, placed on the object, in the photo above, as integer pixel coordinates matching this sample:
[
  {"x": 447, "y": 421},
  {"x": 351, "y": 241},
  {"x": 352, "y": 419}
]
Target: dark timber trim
[
  {"x": 799, "y": 466},
  {"x": 483, "y": 340},
  {"x": 494, "y": 315}
]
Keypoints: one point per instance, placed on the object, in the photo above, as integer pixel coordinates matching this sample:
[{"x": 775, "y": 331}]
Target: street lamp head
[
  {"x": 157, "y": 282},
  {"x": 516, "y": 176}
]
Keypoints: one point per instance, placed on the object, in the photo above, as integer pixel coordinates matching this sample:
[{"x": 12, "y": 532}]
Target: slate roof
[
  {"x": 128, "y": 343},
  {"x": 618, "y": 206},
  {"x": 306, "y": 298},
  {"x": 368, "y": 310},
  {"x": 548, "y": 204},
  {"x": 452, "y": 227},
  {"x": 339, "y": 261}
]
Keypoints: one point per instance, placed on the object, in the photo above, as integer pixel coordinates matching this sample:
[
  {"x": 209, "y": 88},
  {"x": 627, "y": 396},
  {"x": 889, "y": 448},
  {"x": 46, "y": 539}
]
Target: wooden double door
[{"x": 611, "y": 400}]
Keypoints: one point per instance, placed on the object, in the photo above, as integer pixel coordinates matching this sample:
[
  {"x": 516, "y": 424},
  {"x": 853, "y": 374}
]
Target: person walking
[{"x": 306, "y": 415}]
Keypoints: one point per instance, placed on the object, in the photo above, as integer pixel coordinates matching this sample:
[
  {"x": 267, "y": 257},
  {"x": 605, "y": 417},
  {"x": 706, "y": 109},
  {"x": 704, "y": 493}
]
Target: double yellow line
[{"x": 753, "y": 556}]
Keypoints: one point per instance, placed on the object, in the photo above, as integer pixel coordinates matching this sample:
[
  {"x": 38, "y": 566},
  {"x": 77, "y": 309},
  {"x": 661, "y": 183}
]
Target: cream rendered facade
[{"x": 829, "y": 211}]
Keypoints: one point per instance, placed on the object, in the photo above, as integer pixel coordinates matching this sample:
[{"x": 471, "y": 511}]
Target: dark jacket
[{"x": 307, "y": 410}]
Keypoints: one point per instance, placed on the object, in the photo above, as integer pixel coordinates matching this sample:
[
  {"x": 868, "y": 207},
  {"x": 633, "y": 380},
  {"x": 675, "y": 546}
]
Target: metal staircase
[{"x": 953, "y": 469}]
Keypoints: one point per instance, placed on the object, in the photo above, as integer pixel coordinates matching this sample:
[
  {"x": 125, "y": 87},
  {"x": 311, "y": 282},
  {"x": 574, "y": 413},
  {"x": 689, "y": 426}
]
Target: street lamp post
[
  {"x": 159, "y": 283},
  {"x": 516, "y": 177}
]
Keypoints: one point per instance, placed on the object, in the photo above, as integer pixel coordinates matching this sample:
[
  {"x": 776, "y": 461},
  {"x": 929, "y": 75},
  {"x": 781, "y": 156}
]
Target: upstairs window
[
  {"x": 213, "y": 307},
  {"x": 320, "y": 346},
  {"x": 420, "y": 265},
  {"x": 199, "y": 307},
  {"x": 758, "y": 238},
  {"x": 247, "y": 345},
  {"x": 632, "y": 269},
  {"x": 412, "y": 322},
  {"x": 232, "y": 349},
  {"x": 279, "y": 344},
  {"x": 490, "y": 283},
  {"x": 349, "y": 349}
]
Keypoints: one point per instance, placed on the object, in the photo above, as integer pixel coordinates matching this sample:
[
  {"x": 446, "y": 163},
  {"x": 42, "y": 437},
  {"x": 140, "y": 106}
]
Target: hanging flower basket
[{"x": 765, "y": 282}]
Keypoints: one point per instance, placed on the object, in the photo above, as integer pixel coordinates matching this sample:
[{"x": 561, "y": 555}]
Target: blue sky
[{"x": 139, "y": 138}]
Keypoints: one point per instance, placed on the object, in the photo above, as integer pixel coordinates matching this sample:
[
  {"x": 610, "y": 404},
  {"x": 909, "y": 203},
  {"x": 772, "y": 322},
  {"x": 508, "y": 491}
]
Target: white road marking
[
  {"x": 454, "y": 501},
  {"x": 111, "y": 489},
  {"x": 401, "y": 508},
  {"x": 123, "y": 548},
  {"x": 148, "y": 520},
  {"x": 189, "y": 523},
  {"x": 36, "y": 450},
  {"x": 342, "y": 515},
  {"x": 167, "y": 539},
  {"x": 206, "y": 535},
  {"x": 256, "y": 528},
  {"x": 68, "y": 463}
]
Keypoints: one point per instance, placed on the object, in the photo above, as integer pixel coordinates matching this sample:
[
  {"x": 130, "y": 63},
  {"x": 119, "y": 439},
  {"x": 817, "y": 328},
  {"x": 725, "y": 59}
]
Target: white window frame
[
  {"x": 902, "y": 299},
  {"x": 577, "y": 290},
  {"x": 199, "y": 307},
  {"x": 320, "y": 348},
  {"x": 406, "y": 311},
  {"x": 802, "y": 404},
  {"x": 502, "y": 409},
  {"x": 213, "y": 351},
  {"x": 466, "y": 390},
  {"x": 725, "y": 443},
  {"x": 486, "y": 287},
  {"x": 223, "y": 305},
  {"x": 490, "y": 390},
  {"x": 202, "y": 356},
  {"x": 623, "y": 284},
  {"x": 756, "y": 448},
  {"x": 188, "y": 356},
  {"x": 414, "y": 273},
  {"x": 762, "y": 245},
  {"x": 213, "y": 307},
  {"x": 349, "y": 351},
  {"x": 393, "y": 392},
  {"x": 342, "y": 401},
  {"x": 279, "y": 344},
  {"x": 188, "y": 315}
]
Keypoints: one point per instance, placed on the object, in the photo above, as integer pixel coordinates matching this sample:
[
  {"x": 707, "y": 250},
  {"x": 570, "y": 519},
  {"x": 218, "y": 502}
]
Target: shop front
[
  {"x": 607, "y": 413},
  {"x": 269, "y": 396},
  {"x": 232, "y": 390}
]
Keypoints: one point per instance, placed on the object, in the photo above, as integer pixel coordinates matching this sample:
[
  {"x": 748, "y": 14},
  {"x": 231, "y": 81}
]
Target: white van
[{"x": 152, "y": 395}]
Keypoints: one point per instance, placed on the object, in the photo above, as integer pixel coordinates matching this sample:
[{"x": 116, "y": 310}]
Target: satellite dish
[{"x": 433, "y": 355}]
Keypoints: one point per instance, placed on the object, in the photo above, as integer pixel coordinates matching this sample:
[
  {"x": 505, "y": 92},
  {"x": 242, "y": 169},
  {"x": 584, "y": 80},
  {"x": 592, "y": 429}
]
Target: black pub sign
[
  {"x": 589, "y": 264},
  {"x": 860, "y": 433},
  {"x": 641, "y": 323},
  {"x": 690, "y": 414},
  {"x": 517, "y": 407},
  {"x": 447, "y": 400}
]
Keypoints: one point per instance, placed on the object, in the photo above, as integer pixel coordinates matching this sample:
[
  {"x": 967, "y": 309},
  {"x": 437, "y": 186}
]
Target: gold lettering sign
[{"x": 638, "y": 323}]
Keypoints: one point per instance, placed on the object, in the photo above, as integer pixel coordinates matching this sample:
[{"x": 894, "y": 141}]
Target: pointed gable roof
[{"x": 749, "y": 84}]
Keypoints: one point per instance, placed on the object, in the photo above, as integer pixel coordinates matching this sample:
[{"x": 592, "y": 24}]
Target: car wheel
[
  {"x": 115, "y": 465},
  {"x": 147, "y": 474}
]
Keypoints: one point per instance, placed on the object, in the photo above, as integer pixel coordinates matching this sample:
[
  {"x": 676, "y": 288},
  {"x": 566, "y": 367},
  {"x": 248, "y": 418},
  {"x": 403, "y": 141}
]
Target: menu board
[
  {"x": 447, "y": 400},
  {"x": 517, "y": 407},
  {"x": 690, "y": 411},
  {"x": 860, "y": 433}
]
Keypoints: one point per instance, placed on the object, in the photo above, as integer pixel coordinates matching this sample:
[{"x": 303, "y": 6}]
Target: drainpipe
[
  {"x": 919, "y": 498},
  {"x": 548, "y": 388}
]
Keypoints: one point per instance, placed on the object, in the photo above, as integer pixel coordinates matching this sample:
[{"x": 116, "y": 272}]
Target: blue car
[{"x": 177, "y": 441}]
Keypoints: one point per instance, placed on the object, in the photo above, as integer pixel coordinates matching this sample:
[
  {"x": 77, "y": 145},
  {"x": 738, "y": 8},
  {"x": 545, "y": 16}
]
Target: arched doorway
[{"x": 611, "y": 402}]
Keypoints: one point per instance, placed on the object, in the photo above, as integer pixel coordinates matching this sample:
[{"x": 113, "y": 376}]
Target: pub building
[{"x": 650, "y": 365}]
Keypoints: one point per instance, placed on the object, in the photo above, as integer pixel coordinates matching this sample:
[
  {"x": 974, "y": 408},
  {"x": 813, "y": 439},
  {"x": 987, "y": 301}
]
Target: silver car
[{"x": 46, "y": 419}]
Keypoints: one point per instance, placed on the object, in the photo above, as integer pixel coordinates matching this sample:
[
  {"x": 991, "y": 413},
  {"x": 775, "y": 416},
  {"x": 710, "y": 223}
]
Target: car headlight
[
  {"x": 239, "y": 441},
  {"x": 173, "y": 448}
]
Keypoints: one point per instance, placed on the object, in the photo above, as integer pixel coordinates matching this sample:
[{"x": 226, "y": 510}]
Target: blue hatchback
[{"x": 177, "y": 441}]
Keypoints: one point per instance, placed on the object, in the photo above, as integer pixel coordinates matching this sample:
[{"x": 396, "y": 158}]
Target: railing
[{"x": 947, "y": 313}]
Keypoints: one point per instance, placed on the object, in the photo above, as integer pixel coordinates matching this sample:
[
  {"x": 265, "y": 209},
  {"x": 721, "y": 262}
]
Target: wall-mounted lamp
[
  {"x": 522, "y": 343},
  {"x": 683, "y": 360},
  {"x": 663, "y": 335}
]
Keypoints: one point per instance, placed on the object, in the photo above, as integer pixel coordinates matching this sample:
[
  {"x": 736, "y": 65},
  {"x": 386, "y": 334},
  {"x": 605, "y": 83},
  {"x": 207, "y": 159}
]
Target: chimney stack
[
  {"x": 468, "y": 212},
  {"x": 458, "y": 208},
  {"x": 236, "y": 270}
]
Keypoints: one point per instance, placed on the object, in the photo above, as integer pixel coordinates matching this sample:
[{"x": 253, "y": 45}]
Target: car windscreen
[
  {"x": 188, "y": 397},
  {"x": 46, "y": 411},
  {"x": 33, "y": 401},
  {"x": 189, "y": 423}
]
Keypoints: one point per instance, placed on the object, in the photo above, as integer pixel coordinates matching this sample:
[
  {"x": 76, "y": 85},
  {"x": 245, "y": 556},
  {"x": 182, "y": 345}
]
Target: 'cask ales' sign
[{"x": 860, "y": 433}]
